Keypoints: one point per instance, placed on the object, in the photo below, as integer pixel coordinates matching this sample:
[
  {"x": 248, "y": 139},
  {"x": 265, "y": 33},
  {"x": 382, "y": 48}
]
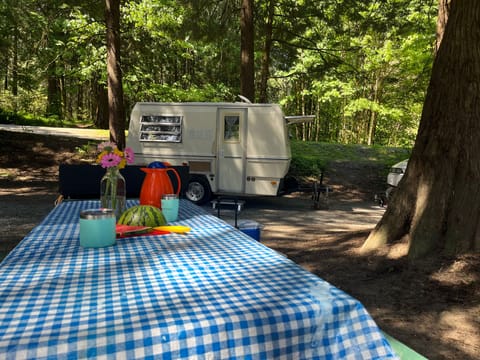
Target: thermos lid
[
  {"x": 169, "y": 196},
  {"x": 92, "y": 214},
  {"x": 157, "y": 165}
]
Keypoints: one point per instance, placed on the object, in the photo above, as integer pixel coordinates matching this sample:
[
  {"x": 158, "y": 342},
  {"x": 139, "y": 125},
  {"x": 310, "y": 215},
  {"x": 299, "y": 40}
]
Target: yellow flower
[
  {"x": 101, "y": 155},
  {"x": 122, "y": 163}
]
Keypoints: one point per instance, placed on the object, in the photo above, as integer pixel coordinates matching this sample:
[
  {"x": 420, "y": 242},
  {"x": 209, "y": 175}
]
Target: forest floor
[{"x": 432, "y": 306}]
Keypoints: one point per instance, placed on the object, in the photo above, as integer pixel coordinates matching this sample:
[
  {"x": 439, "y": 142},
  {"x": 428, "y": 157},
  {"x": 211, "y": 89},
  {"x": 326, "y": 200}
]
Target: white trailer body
[{"x": 238, "y": 148}]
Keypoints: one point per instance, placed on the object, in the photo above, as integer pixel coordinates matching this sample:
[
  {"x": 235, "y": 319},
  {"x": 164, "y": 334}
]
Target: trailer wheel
[{"x": 198, "y": 190}]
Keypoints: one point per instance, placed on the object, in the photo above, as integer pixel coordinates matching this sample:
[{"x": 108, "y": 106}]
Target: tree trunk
[
  {"x": 372, "y": 125},
  {"x": 263, "y": 98},
  {"x": 15, "y": 64},
  {"x": 247, "y": 68},
  {"x": 79, "y": 104},
  {"x": 443, "y": 11},
  {"x": 116, "y": 109},
  {"x": 54, "y": 95},
  {"x": 66, "y": 101},
  {"x": 101, "y": 108},
  {"x": 437, "y": 204}
]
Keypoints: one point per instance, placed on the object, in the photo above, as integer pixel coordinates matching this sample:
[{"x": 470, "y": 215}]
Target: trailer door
[{"x": 231, "y": 149}]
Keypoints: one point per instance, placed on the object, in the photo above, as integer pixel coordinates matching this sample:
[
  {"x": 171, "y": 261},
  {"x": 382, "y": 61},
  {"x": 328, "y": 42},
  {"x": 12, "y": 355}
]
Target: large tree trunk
[
  {"x": 247, "y": 68},
  {"x": 437, "y": 204},
  {"x": 263, "y": 97},
  {"x": 116, "y": 115}
]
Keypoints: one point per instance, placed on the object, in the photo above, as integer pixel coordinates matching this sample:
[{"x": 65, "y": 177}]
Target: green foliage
[
  {"x": 309, "y": 159},
  {"x": 176, "y": 93},
  {"x": 82, "y": 150},
  {"x": 18, "y": 118},
  {"x": 358, "y": 61}
]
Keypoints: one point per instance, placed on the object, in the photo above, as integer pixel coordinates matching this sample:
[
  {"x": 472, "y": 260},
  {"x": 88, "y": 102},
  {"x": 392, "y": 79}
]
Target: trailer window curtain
[{"x": 231, "y": 128}]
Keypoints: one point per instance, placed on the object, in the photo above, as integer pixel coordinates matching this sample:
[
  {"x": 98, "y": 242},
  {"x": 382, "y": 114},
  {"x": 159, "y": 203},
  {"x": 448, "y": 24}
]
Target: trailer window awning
[{"x": 297, "y": 119}]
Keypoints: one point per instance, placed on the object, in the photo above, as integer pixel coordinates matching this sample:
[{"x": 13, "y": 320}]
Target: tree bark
[
  {"x": 116, "y": 114},
  {"x": 247, "y": 68},
  {"x": 437, "y": 204},
  {"x": 372, "y": 125},
  {"x": 443, "y": 11},
  {"x": 54, "y": 95},
  {"x": 263, "y": 97},
  {"x": 101, "y": 107},
  {"x": 15, "y": 63}
]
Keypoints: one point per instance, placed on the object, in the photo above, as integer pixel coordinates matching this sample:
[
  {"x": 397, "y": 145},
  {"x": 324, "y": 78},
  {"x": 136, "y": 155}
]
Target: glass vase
[{"x": 113, "y": 191}]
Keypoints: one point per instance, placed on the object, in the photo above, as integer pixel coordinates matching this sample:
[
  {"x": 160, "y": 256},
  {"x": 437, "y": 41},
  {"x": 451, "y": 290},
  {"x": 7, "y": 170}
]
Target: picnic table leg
[{"x": 236, "y": 213}]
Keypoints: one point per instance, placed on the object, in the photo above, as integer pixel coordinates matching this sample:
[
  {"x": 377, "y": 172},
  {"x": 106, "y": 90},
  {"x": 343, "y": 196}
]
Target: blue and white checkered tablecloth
[{"x": 213, "y": 293}]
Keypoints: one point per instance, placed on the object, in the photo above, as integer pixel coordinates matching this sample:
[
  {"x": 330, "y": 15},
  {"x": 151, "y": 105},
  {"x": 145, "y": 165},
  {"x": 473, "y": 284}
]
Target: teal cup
[
  {"x": 97, "y": 228},
  {"x": 170, "y": 204}
]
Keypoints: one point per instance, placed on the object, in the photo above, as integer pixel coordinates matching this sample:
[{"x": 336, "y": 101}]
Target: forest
[{"x": 362, "y": 67}]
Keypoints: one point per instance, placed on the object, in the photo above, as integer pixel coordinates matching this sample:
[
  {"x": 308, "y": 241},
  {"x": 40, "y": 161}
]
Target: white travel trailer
[{"x": 230, "y": 148}]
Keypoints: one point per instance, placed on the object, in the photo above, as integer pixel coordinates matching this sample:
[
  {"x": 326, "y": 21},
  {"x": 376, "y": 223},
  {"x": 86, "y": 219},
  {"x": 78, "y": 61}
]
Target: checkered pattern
[{"x": 213, "y": 293}]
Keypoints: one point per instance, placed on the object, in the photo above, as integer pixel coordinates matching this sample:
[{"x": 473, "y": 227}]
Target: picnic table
[{"x": 212, "y": 293}]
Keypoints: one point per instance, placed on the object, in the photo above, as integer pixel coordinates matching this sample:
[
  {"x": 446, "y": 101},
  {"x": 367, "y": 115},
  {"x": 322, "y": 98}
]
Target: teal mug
[
  {"x": 97, "y": 228},
  {"x": 170, "y": 204}
]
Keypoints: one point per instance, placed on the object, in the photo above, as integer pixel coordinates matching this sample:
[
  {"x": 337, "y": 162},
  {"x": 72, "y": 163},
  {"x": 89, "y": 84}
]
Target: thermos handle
[{"x": 178, "y": 179}]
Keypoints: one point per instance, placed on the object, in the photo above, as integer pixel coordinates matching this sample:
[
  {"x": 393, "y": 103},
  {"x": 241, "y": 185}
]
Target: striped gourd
[{"x": 143, "y": 215}]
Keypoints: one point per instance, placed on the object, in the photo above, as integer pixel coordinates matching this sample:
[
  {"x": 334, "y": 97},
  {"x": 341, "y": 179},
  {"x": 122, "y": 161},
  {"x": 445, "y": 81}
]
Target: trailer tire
[{"x": 198, "y": 190}]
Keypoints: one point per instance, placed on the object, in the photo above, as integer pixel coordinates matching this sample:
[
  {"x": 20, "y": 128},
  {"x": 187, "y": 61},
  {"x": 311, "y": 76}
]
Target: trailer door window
[
  {"x": 162, "y": 128},
  {"x": 231, "y": 128}
]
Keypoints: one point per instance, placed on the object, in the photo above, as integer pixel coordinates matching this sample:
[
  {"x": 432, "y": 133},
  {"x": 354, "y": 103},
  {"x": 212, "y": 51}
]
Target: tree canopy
[{"x": 362, "y": 67}]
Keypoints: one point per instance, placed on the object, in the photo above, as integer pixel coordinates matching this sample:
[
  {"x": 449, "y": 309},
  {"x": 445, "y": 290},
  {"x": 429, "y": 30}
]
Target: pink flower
[
  {"x": 129, "y": 156},
  {"x": 110, "y": 160},
  {"x": 107, "y": 146}
]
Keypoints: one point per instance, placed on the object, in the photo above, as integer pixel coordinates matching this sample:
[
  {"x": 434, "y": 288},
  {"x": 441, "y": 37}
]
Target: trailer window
[
  {"x": 162, "y": 128},
  {"x": 231, "y": 128}
]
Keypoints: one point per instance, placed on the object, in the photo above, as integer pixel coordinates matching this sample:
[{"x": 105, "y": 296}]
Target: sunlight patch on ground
[
  {"x": 456, "y": 324},
  {"x": 92, "y": 134}
]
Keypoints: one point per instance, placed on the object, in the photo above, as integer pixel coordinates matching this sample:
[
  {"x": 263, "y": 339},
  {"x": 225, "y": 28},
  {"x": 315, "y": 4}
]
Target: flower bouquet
[{"x": 112, "y": 185}]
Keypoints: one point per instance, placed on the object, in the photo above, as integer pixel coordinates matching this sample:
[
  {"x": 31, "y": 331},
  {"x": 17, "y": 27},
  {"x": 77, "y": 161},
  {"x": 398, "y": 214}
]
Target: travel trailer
[{"x": 230, "y": 148}]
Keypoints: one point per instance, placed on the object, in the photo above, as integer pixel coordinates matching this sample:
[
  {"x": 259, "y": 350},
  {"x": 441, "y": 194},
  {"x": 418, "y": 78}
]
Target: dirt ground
[{"x": 432, "y": 306}]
